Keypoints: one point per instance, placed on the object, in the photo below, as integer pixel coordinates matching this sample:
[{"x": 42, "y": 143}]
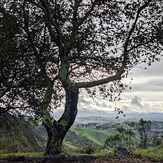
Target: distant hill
[
  {"x": 17, "y": 135},
  {"x": 25, "y": 137},
  {"x": 113, "y": 114},
  {"x": 151, "y": 115},
  {"x": 120, "y": 119}
]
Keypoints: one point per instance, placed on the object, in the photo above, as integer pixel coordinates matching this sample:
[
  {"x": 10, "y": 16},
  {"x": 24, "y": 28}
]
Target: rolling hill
[{"x": 18, "y": 135}]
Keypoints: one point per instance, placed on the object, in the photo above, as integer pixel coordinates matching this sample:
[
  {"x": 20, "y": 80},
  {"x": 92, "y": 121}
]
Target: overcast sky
[{"x": 146, "y": 94}]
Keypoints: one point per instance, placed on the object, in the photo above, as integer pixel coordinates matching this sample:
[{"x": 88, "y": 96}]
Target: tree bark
[
  {"x": 55, "y": 138},
  {"x": 57, "y": 130}
]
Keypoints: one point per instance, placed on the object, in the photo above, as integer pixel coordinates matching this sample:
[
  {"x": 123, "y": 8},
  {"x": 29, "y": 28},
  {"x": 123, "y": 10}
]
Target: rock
[{"x": 122, "y": 151}]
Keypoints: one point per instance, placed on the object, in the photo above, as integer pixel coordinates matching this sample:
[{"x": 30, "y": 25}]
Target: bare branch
[
  {"x": 125, "y": 53},
  {"x": 120, "y": 70},
  {"x": 117, "y": 76}
]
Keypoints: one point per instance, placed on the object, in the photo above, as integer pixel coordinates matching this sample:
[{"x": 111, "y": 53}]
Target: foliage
[
  {"x": 157, "y": 140},
  {"x": 9, "y": 67},
  {"x": 144, "y": 129},
  {"x": 124, "y": 137},
  {"x": 75, "y": 139},
  {"x": 89, "y": 149}
]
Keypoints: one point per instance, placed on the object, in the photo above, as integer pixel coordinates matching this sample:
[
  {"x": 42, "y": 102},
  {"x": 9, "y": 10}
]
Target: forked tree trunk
[
  {"x": 57, "y": 130},
  {"x": 54, "y": 141}
]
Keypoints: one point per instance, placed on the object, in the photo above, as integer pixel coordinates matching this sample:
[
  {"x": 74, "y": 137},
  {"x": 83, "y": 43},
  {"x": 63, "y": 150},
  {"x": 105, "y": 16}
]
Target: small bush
[{"x": 89, "y": 150}]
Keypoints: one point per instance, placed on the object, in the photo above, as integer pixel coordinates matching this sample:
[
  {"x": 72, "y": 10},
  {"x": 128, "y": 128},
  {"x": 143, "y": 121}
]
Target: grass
[
  {"x": 154, "y": 152},
  {"x": 102, "y": 152},
  {"x": 34, "y": 154},
  {"x": 70, "y": 148},
  {"x": 94, "y": 135}
]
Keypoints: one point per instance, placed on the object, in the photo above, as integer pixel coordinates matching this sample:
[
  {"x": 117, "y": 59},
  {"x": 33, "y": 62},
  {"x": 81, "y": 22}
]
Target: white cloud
[{"x": 136, "y": 101}]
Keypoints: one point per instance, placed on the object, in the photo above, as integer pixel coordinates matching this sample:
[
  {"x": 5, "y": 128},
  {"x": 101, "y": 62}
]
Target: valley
[{"x": 88, "y": 135}]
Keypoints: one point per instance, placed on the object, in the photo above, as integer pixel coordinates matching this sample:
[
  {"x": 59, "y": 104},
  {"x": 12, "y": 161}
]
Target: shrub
[{"x": 89, "y": 149}]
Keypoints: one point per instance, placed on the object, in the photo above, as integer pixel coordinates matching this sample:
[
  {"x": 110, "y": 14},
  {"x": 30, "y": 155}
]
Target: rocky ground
[{"x": 79, "y": 159}]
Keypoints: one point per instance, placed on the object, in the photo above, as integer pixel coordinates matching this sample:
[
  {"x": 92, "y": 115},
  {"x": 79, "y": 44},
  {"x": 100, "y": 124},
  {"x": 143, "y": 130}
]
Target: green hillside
[
  {"x": 17, "y": 135},
  {"x": 96, "y": 136},
  {"x": 78, "y": 139},
  {"x": 25, "y": 137}
]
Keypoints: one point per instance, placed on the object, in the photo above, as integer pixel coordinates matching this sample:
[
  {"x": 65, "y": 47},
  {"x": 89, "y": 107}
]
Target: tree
[
  {"x": 67, "y": 45},
  {"x": 124, "y": 137},
  {"x": 113, "y": 141},
  {"x": 144, "y": 130},
  {"x": 127, "y": 137}
]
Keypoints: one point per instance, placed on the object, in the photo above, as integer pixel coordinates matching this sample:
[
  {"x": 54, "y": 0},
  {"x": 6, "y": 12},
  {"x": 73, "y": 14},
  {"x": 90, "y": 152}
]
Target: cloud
[{"x": 136, "y": 101}]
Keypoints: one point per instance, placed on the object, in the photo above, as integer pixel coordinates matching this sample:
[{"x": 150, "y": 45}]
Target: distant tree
[
  {"x": 113, "y": 141},
  {"x": 127, "y": 136},
  {"x": 144, "y": 131},
  {"x": 124, "y": 137},
  {"x": 66, "y": 45}
]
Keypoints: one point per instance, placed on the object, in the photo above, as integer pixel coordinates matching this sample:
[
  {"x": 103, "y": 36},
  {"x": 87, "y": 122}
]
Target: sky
[
  {"x": 145, "y": 98},
  {"x": 146, "y": 95}
]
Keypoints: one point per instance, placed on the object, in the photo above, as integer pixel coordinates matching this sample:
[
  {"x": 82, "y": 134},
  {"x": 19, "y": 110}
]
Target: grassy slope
[
  {"x": 155, "y": 152},
  {"x": 94, "y": 135},
  {"x": 32, "y": 139},
  {"x": 21, "y": 137}
]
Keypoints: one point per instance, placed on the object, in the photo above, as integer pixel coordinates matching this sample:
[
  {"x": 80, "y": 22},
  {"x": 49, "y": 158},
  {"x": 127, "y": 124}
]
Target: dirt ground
[{"x": 79, "y": 159}]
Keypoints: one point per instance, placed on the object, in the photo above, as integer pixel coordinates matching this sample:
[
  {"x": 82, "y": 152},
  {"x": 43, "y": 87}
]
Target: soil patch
[{"x": 79, "y": 159}]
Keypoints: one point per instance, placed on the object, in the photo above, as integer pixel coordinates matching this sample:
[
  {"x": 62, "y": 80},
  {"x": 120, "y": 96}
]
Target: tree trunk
[
  {"x": 54, "y": 142},
  {"x": 57, "y": 130}
]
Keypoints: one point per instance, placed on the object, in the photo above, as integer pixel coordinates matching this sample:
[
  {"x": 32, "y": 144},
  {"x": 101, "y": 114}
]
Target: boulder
[{"x": 122, "y": 151}]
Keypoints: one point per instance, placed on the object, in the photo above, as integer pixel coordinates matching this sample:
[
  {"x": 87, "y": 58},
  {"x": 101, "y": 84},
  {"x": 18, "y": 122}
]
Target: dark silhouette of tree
[
  {"x": 67, "y": 45},
  {"x": 124, "y": 137},
  {"x": 113, "y": 141},
  {"x": 144, "y": 131},
  {"x": 8, "y": 59}
]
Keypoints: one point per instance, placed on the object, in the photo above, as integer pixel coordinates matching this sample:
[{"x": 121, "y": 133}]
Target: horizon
[{"x": 104, "y": 114}]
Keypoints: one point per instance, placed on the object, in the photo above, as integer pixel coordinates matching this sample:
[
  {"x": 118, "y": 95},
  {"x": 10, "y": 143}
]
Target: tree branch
[
  {"x": 117, "y": 76},
  {"x": 125, "y": 53},
  {"x": 120, "y": 70}
]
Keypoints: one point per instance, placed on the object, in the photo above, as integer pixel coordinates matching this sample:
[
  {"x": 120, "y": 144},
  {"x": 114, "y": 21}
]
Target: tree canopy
[{"x": 8, "y": 58}]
